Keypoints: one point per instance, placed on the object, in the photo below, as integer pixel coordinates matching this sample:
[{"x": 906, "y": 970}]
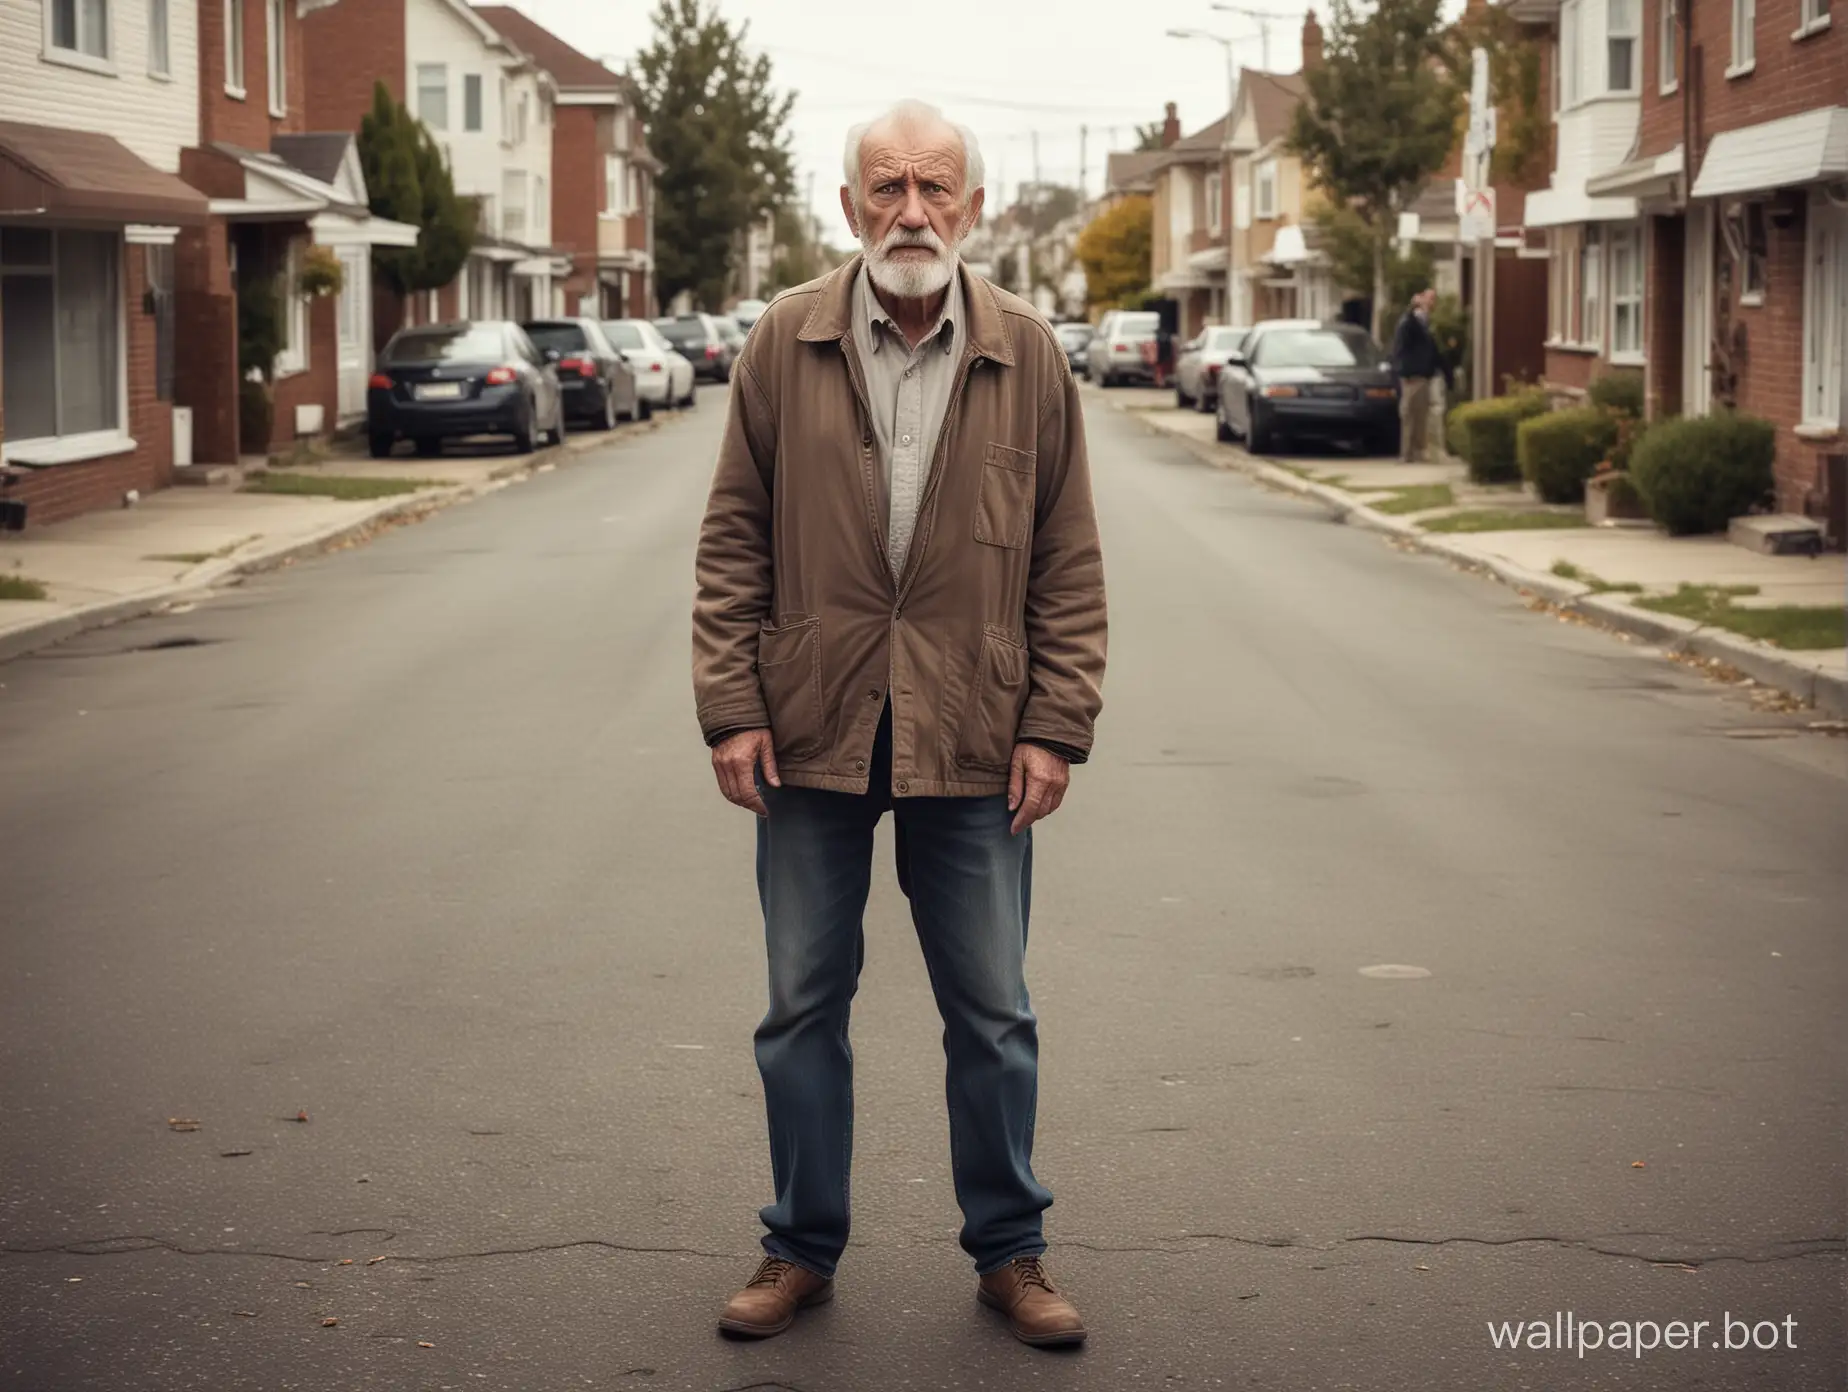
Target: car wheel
[
  {"x": 1204, "y": 403},
  {"x": 523, "y": 441},
  {"x": 556, "y": 435},
  {"x": 1259, "y": 439},
  {"x": 1181, "y": 399},
  {"x": 608, "y": 420},
  {"x": 692, "y": 397},
  {"x": 428, "y": 446},
  {"x": 1221, "y": 431},
  {"x": 379, "y": 446},
  {"x": 644, "y": 410}
]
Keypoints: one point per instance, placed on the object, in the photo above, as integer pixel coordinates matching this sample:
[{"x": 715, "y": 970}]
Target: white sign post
[{"x": 1476, "y": 222}]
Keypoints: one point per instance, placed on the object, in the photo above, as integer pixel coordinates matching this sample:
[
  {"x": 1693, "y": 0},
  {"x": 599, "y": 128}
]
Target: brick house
[
  {"x": 489, "y": 106},
  {"x": 1187, "y": 252},
  {"x": 96, "y": 104},
  {"x": 602, "y": 174},
  {"x": 1698, "y": 217},
  {"x": 1278, "y": 271}
]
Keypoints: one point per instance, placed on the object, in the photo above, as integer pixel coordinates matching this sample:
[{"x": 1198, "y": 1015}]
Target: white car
[{"x": 663, "y": 377}]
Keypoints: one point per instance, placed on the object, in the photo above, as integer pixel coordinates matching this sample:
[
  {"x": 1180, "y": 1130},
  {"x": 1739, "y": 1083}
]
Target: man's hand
[
  {"x": 735, "y": 761},
  {"x": 1036, "y": 784}
]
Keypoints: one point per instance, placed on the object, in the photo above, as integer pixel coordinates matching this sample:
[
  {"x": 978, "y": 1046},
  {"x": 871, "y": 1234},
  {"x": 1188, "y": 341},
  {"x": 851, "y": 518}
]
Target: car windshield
[
  {"x": 626, "y": 336},
  {"x": 456, "y": 343},
  {"x": 1313, "y": 348},
  {"x": 566, "y": 338},
  {"x": 682, "y": 332},
  {"x": 1136, "y": 326},
  {"x": 1224, "y": 340},
  {"x": 1074, "y": 335}
]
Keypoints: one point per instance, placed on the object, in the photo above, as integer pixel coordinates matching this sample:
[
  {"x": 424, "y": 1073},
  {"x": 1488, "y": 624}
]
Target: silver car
[{"x": 1196, "y": 375}]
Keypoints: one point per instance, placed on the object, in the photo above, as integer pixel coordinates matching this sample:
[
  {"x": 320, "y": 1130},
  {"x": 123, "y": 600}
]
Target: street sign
[
  {"x": 1408, "y": 227},
  {"x": 1475, "y": 214}
]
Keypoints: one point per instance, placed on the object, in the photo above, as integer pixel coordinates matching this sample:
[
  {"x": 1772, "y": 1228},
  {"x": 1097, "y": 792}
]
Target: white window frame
[
  {"x": 426, "y": 87},
  {"x": 89, "y": 444},
  {"x": 234, "y": 49},
  {"x": 1592, "y": 301},
  {"x": 292, "y": 356},
  {"x": 1571, "y": 73},
  {"x": 1562, "y": 282},
  {"x": 160, "y": 40},
  {"x": 615, "y": 185},
  {"x": 1266, "y": 197},
  {"x": 1744, "y": 38},
  {"x": 1631, "y": 35},
  {"x": 506, "y": 115},
  {"x": 542, "y": 210},
  {"x": 471, "y": 82},
  {"x": 1628, "y": 274},
  {"x": 276, "y": 38},
  {"x": 1813, "y": 17},
  {"x": 513, "y": 204},
  {"x": 80, "y": 56},
  {"x": 1752, "y": 287},
  {"x": 1668, "y": 43},
  {"x": 1825, "y": 317},
  {"x": 1215, "y": 200}
]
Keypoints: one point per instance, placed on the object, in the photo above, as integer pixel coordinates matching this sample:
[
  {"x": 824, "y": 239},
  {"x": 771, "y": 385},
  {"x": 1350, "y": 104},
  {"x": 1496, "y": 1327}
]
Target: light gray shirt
[{"x": 908, "y": 390}]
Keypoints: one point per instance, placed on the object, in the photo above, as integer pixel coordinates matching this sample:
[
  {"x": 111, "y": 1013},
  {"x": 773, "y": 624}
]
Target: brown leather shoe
[
  {"x": 1035, "y": 1311},
  {"x": 769, "y": 1301}
]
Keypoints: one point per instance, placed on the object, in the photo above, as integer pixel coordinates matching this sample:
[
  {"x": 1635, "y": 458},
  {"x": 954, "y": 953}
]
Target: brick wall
[
  {"x": 349, "y": 47},
  {"x": 65, "y": 490},
  {"x": 577, "y": 195},
  {"x": 205, "y": 330},
  {"x": 319, "y": 385},
  {"x": 1771, "y": 367},
  {"x": 247, "y": 120},
  {"x": 1568, "y": 373},
  {"x": 1664, "y": 258}
]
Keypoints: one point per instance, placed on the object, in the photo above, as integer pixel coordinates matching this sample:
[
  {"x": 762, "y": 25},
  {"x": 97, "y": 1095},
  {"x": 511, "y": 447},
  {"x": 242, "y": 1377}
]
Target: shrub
[
  {"x": 1697, "y": 474},
  {"x": 1620, "y": 391},
  {"x": 1561, "y": 449},
  {"x": 1630, "y": 429},
  {"x": 1483, "y": 433}
]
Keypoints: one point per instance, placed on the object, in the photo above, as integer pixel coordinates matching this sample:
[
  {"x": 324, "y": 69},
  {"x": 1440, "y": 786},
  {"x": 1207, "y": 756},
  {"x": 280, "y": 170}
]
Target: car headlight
[
  {"x": 1274, "y": 392},
  {"x": 1380, "y": 393}
]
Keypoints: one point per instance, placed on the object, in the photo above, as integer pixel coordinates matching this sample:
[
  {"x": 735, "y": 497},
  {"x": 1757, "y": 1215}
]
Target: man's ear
[
  {"x": 974, "y": 215},
  {"x": 853, "y": 219}
]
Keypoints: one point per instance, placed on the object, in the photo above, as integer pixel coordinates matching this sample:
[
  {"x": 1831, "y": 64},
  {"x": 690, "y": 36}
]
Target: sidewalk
[
  {"x": 1599, "y": 572},
  {"x": 108, "y": 567}
]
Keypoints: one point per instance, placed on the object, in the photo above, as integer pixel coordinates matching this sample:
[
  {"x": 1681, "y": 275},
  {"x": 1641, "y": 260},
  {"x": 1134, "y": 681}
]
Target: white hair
[{"x": 912, "y": 112}]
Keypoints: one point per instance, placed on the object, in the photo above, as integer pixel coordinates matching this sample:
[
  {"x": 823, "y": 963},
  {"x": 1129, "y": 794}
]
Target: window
[
  {"x": 433, "y": 95},
  {"x": 1825, "y": 313},
  {"x": 542, "y": 210},
  {"x": 61, "y": 335},
  {"x": 620, "y": 135},
  {"x": 278, "y": 58},
  {"x": 1625, "y": 23},
  {"x": 160, "y": 292},
  {"x": 1754, "y": 250},
  {"x": 1815, "y": 17},
  {"x": 1627, "y": 292},
  {"x": 471, "y": 102},
  {"x": 1590, "y": 282},
  {"x": 234, "y": 47},
  {"x": 1668, "y": 40},
  {"x": 293, "y": 356},
  {"x": 1267, "y": 189},
  {"x": 1744, "y": 37},
  {"x": 513, "y": 203},
  {"x": 1562, "y": 284},
  {"x": 1215, "y": 198},
  {"x": 81, "y": 27},
  {"x": 506, "y": 115},
  {"x": 522, "y": 112},
  {"x": 615, "y": 184},
  {"x": 1569, "y": 54},
  {"x": 160, "y": 41}
]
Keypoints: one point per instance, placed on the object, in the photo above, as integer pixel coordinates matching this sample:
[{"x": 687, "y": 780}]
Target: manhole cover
[{"x": 1395, "y": 971}]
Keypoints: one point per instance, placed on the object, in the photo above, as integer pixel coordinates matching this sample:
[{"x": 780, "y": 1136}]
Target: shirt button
[
  {"x": 904, "y": 439},
  {"x": 872, "y": 693}
]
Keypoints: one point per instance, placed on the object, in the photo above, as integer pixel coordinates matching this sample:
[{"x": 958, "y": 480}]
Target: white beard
[{"x": 909, "y": 279}]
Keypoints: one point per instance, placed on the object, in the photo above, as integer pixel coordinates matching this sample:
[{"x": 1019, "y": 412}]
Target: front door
[
  {"x": 1697, "y": 312},
  {"x": 353, "y": 316}
]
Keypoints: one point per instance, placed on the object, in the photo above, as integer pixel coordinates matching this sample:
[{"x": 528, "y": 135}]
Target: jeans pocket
[
  {"x": 789, "y": 669},
  {"x": 991, "y": 719},
  {"x": 1004, "y": 508}
]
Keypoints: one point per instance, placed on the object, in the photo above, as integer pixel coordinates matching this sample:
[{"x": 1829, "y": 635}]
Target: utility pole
[
  {"x": 1264, "y": 18},
  {"x": 1036, "y": 163},
  {"x": 1084, "y": 194},
  {"x": 1478, "y": 150}
]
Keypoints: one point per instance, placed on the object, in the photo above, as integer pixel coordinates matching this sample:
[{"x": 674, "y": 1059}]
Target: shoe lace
[
  {"x": 1030, "y": 1273},
  {"x": 769, "y": 1273}
]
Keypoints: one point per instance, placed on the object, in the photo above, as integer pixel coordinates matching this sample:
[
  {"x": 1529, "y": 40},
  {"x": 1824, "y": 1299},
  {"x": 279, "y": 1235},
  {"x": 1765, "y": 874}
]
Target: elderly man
[{"x": 900, "y": 608}]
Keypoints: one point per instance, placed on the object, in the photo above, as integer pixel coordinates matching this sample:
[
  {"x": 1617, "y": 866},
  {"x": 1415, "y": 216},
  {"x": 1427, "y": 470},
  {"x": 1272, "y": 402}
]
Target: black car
[
  {"x": 597, "y": 381},
  {"x": 1296, "y": 378},
  {"x": 1075, "y": 338},
  {"x": 441, "y": 381},
  {"x": 698, "y": 338}
]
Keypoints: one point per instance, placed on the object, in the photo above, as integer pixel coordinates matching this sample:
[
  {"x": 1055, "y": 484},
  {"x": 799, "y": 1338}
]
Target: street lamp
[
  {"x": 1225, "y": 145},
  {"x": 1263, "y": 17}
]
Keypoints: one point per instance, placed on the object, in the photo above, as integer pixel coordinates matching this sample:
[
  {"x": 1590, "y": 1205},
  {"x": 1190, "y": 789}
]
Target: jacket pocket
[
  {"x": 1004, "y": 510},
  {"x": 991, "y": 720},
  {"x": 789, "y": 669}
]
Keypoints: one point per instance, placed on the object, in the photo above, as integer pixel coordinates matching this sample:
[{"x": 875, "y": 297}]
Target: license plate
[{"x": 439, "y": 391}]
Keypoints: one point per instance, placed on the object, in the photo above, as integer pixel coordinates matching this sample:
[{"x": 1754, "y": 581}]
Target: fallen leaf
[
  {"x": 374, "y": 1261},
  {"x": 1638, "y": 1165},
  {"x": 329, "y": 1322},
  {"x": 73, "y": 1280},
  {"x": 246, "y": 1314},
  {"x": 301, "y": 1116},
  {"x": 1421, "y": 1267},
  {"x": 231, "y": 1154},
  {"x": 345, "y": 1261},
  {"x": 182, "y": 1124},
  {"x": 425, "y": 1343}
]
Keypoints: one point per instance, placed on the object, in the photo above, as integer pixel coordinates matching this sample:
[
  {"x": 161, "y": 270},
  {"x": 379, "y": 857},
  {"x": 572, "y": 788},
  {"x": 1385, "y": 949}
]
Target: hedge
[
  {"x": 1483, "y": 434},
  {"x": 1561, "y": 449},
  {"x": 1620, "y": 390},
  {"x": 1698, "y": 473}
]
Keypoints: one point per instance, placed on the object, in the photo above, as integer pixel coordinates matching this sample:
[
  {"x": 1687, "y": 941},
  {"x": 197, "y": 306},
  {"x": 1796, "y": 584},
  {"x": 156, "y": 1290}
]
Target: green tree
[
  {"x": 1148, "y": 137},
  {"x": 408, "y": 180},
  {"x": 1380, "y": 117},
  {"x": 722, "y": 131},
  {"x": 1114, "y": 251}
]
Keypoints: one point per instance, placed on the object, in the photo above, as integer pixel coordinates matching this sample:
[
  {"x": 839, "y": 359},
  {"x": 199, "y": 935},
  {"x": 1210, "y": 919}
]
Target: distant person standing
[{"x": 1416, "y": 359}]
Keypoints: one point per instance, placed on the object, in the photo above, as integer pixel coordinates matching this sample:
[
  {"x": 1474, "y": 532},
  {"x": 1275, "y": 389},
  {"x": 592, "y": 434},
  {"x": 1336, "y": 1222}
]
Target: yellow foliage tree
[{"x": 1114, "y": 251}]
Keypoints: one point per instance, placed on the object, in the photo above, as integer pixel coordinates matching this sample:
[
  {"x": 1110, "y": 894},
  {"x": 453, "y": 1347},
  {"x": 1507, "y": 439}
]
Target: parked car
[
  {"x": 1196, "y": 374},
  {"x": 1117, "y": 353},
  {"x": 747, "y": 312},
  {"x": 1075, "y": 338},
  {"x": 662, "y": 376},
  {"x": 597, "y": 381},
  {"x": 699, "y": 338},
  {"x": 732, "y": 332},
  {"x": 1295, "y": 378},
  {"x": 442, "y": 381}
]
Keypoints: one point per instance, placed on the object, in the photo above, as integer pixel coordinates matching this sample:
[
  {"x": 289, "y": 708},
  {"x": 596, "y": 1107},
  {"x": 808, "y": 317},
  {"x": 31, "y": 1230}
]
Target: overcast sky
[{"x": 1006, "y": 68}]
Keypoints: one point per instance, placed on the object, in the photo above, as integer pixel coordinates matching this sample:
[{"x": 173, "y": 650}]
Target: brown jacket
[{"x": 993, "y": 634}]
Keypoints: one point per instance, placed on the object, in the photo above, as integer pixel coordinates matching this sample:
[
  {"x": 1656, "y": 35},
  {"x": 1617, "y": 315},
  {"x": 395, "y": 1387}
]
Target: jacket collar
[{"x": 832, "y": 315}]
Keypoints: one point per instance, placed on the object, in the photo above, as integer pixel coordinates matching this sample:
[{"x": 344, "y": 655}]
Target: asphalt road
[{"x": 419, "y": 840}]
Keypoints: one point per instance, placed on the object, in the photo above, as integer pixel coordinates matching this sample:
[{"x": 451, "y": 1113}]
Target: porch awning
[
  {"x": 1801, "y": 149},
  {"x": 62, "y": 176},
  {"x": 1653, "y": 176},
  {"x": 1558, "y": 207},
  {"x": 1209, "y": 260},
  {"x": 339, "y": 229},
  {"x": 543, "y": 266}
]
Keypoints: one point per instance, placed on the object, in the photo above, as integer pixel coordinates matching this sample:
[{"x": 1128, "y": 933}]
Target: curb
[
  {"x": 1768, "y": 666},
  {"x": 198, "y": 582}
]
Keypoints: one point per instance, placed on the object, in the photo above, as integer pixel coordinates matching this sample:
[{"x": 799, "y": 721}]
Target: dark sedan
[
  {"x": 1297, "y": 379},
  {"x": 1075, "y": 339},
  {"x": 442, "y": 381},
  {"x": 698, "y": 338},
  {"x": 597, "y": 381}
]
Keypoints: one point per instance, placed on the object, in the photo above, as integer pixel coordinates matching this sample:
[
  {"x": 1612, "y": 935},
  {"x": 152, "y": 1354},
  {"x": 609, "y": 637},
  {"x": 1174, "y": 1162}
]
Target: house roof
[
  {"x": 81, "y": 176},
  {"x": 1132, "y": 171},
  {"x": 318, "y": 154},
  {"x": 571, "y": 70},
  {"x": 1273, "y": 99},
  {"x": 1208, "y": 140}
]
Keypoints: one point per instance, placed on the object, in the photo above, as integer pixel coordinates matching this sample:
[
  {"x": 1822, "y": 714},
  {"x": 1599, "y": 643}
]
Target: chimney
[
  {"x": 1171, "y": 127},
  {"x": 1312, "y": 42}
]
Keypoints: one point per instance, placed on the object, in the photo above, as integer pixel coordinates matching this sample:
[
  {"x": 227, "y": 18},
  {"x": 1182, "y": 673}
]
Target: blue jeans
[{"x": 969, "y": 881}]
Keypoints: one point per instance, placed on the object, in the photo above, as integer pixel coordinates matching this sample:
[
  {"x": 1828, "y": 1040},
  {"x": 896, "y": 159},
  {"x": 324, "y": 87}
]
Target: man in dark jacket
[{"x": 1416, "y": 359}]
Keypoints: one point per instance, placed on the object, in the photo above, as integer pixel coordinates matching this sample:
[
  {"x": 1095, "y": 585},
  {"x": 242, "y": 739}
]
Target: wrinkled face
[
  {"x": 1427, "y": 300},
  {"x": 912, "y": 210}
]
